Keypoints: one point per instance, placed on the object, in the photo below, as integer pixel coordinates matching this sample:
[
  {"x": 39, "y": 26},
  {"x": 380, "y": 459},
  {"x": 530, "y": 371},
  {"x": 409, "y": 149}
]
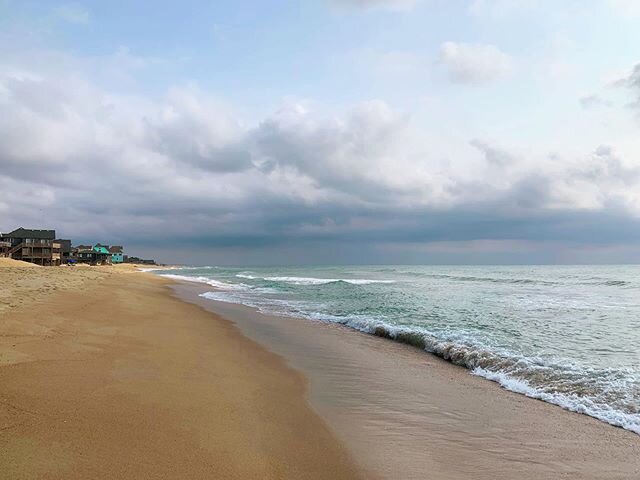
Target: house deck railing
[{"x": 37, "y": 243}]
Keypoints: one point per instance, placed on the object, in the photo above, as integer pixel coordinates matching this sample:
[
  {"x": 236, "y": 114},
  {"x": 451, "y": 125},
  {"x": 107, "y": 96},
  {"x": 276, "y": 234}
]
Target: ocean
[{"x": 567, "y": 335}]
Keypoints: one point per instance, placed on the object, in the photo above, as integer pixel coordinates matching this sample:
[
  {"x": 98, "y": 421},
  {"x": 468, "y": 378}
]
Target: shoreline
[
  {"x": 508, "y": 362},
  {"x": 542, "y": 378},
  {"x": 105, "y": 374},
  {"x": 116, "y": 373},
  {"x": 400, "y": 410}
]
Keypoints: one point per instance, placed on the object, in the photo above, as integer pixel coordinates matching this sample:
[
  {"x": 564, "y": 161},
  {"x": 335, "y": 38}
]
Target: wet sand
[
  {"x": 406, "y": 414},
  {"x": 104, "y": 374}
]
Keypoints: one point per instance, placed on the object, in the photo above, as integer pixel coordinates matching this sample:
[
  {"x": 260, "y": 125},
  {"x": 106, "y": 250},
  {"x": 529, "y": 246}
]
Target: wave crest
[
  {"x": 312, "y": 281},
  {"x": 208, "y": 281}
]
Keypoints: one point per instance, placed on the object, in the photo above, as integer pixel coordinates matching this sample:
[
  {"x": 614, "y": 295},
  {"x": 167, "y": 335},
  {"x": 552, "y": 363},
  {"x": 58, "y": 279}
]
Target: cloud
[
  {"x": 385, "y": 4},
  {"x": 594, "y": 101},
  {"x": 631, "y": 81},
  {"x": 626, "y": 81},
  {"x": 493, "y": 155},
  {"x": 73, "y": 14},
  {"x": 184, "y": 168},
  {"x": 605, "y": 165},
  {"x": 473, "y": 63},
  {"x": 196, "y": 130}
]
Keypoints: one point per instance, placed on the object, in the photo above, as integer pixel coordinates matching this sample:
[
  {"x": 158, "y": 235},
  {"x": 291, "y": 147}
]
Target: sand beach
[
  {"x": 104, "y": 374},
  {"x": 109, "y": 372}
]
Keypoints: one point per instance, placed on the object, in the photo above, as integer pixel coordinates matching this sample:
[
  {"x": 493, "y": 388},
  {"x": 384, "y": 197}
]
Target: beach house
[
  {"x": 65, "y": 250},
  {"x": 103, "y": 255},
  {"x": 34, "y": 246},
  {"x": 5, "y": 246},
  {"x": 117, "y": 254},
  {"x": 96, "y": 255}
]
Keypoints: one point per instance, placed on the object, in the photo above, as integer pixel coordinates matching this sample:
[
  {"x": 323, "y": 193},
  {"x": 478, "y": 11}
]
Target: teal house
[
  {"x": 103, "y": 252},
  {"x": 117, "y": 255},
  {"x": 97, "y": 255}
]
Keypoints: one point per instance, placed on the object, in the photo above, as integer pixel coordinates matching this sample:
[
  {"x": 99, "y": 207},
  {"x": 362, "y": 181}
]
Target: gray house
[{"x": 30, "y": 245}]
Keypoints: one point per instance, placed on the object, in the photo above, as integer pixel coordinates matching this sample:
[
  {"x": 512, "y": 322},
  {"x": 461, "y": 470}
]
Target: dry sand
[{"x": 105, "y": 375}]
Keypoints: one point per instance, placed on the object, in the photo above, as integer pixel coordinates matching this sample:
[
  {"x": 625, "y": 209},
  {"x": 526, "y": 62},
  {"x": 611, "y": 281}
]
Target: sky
[{"x": 326, "y": 131}]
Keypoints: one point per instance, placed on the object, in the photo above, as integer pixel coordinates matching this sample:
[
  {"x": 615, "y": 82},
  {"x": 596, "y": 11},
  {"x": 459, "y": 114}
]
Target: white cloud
[
  {"x": 473, "y": 63},
  {"x": 493, "y": 155},
  {"x": 73, "y": 14},
  {"x": 594, "y": 100},
  {"x": 631, "y": 81}
]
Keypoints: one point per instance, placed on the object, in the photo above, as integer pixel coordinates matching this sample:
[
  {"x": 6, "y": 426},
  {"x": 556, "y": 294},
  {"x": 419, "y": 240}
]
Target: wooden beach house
[
  {"x": 96, "y": 255},
  {"x": 65, "y": 250},
  {"x": 34, "y": 246},
  {"x": 5, "y": 246}
]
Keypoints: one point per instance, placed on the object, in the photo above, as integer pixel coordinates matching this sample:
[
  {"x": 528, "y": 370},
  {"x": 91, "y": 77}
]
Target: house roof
[
  {"x": 100, "y": 249},
  {"x": 115, "y": 249},
  {"x": 30, "y": 233},
  {"x": 83, "y": 247}
]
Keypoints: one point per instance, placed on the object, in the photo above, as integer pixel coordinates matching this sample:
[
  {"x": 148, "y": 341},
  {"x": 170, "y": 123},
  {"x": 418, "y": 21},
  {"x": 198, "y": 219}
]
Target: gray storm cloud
[{"x": 95, "y": 163}]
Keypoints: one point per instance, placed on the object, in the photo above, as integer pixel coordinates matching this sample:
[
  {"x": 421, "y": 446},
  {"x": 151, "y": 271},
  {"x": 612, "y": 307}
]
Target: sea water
[{"x": 568, "y": 335}]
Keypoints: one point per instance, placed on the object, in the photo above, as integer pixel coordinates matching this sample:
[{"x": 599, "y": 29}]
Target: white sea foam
[
  {"x": 166, "y": 269},
  {"x": 225, "y": 297},
  {"x": 574, "y": 403},
  {"x": 461, "y": 328},
  {"x": 244, "y": 275},
  {"x": 315, "y": 281},
  {"x": 214, "y": 283},
  {"x": 272, "y": 306},
  {"x": 477, "y": 359}
]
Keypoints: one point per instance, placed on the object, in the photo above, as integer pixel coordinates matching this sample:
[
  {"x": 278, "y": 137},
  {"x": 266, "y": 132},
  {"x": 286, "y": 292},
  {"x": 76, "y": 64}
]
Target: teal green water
[{"x": 566, "y": 335}]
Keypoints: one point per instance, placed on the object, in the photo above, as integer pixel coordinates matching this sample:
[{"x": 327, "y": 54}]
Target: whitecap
[
  {"x": 325, "y": 281},
  {"x": 208, "y": 281}
]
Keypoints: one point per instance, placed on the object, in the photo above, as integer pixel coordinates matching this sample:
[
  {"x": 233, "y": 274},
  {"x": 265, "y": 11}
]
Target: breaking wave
[
  {"x": 315, "y": 281},
  {"x": 563, "y": 336},
  {"x": 570, "y": 387},
  {"x": 208, "y": 281}
]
